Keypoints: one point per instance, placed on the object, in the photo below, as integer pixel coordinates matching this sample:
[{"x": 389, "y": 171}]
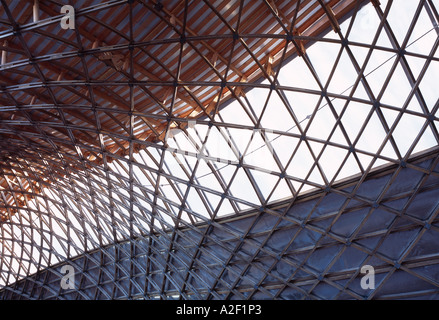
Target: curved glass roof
[{"x": 121, "y": 128}]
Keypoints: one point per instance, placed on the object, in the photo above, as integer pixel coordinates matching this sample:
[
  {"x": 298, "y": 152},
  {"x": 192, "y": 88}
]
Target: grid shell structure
[{"x": 203, "y": 149}]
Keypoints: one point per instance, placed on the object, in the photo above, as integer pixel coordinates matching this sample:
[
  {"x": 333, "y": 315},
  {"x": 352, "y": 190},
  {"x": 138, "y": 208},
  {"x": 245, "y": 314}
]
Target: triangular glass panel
[
  {"x": 277, "y": 116},
  {"x": 301, "y": 163},
  {"x": 302, "y": 104},
  {"x": 297, "y": 74},
  {"x": 427, "y": 140},
  {"x": 316, "y": 147},
  {"x": 331, "y": 161},
  {"x": 349, "y": 168},
  {"x": 414, "y": 105},
  {"x": 237, "y": 139},
  {"x": 322, "y": 123},
  {"x": 360, "y": 53},
  {"x": 344, "y": 76},
  {"x": 316, "y": 176},
  {"x": 265, "y": 182},
  {"x": 281, "y": 191},
  {"x": 284, "y": 147},
  {"x": 364, "y": 159},
  {"x": 225, "y": 208},
  {"x": 213, "y": 200},
  {"x": 354, "y": 117},
  {"x": 372, "y": 136},
  {"x": 338, "y": 136},
  {"x": 406, "y": 132},
  {"x": 260, "y": 152},
  {"x": 219, "y": 146},
  {"x": 389, "y": 151},
  {"x": 416, "y": 64},
  {"x": 257, "y": 98},
  {"x": 365, "y": 25},
  {"x": 361, "y": 92},
  {"x": 397, "y": 89},
  {"x": 400, "y": 19},
  {"x": 173, "y": 166},
  {"x": 196, "y": 203},
  {"x": 323, "y": 56},
  {"x": 238, "y": 113},
  {"x": 242, "y": 188},
  {"x": 427, "y": 87},
  {"x": 423, "y": 35},
  {"x": 377, "y": 70}
]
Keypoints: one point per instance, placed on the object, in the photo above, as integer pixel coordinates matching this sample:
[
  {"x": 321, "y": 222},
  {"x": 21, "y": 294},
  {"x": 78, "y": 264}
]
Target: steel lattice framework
[{"x": 205, "y": 149}]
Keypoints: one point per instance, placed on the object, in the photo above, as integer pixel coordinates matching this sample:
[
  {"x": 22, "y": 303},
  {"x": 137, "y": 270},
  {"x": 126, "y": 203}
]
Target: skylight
[
  {"x": 354, "y": 102},
  {"x": 347, "y": 131}
]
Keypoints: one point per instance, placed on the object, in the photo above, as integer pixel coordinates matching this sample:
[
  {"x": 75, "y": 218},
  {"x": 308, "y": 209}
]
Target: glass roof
[
  {"x": 359, "y": 98},
  {"x": 346, "y": 132}
]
